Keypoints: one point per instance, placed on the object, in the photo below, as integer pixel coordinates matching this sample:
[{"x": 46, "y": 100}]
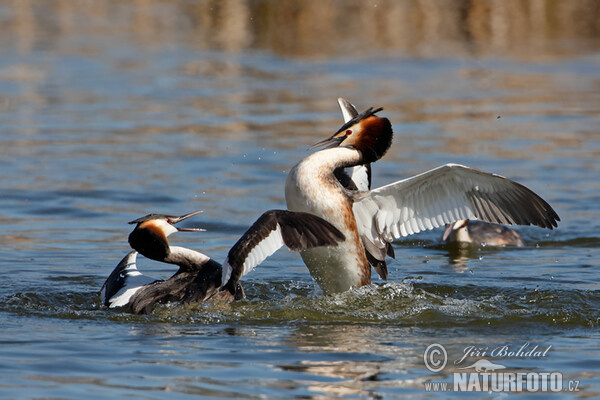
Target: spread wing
[
  {"x": 441, "y": 196},
  {"x": 275, "y": 228}
]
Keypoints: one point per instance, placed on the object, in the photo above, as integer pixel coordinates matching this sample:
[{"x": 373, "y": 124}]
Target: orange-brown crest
[
  {"x": 372, "y": 136},
  {"x": 366, "y": 132},
  {"x": 155, "y": 227}
]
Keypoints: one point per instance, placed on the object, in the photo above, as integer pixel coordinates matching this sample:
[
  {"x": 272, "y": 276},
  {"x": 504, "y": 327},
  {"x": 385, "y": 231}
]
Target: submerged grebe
[
  {"x": 481, "y": 233},
  {"x": 371, "y": 220},
  {"x": 199, "y": 277}
]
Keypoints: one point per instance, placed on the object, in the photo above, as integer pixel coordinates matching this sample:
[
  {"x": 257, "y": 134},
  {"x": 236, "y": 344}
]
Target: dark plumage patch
[
  {"x": 150, "y": 217},
  {"x": 380, "y": 266},
  {"x": 346, "y": 181},
  {"x": 364, "y": 115},
  {"x": 299, "y": 231},
  {"x": 152, "y": 244},
  {"x": 183, "y": 287},
  {"x": 376, "y": 139},
  {"x": 116, "y": 280},
  {"x": 493, "y": 234}
]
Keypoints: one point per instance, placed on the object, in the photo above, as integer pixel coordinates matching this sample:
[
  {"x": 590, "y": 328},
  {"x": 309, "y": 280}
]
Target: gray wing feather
[{"x": 444, "y": 195}]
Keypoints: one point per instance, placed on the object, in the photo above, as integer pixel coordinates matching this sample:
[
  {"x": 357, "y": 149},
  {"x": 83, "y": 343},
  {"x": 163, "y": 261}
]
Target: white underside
[
  {"x": 334, "y": 268},
  {"x": 134, "y": 281}
]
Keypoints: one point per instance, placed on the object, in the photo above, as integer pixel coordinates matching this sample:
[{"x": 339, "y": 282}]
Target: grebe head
[
  {"x": 456, "y": 225},
  {"x": 366, "y": 132},
  {"x": 149, "y": 237}
]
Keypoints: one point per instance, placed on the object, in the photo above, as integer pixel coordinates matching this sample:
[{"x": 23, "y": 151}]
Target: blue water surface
[{"x": 110, "y": 113}]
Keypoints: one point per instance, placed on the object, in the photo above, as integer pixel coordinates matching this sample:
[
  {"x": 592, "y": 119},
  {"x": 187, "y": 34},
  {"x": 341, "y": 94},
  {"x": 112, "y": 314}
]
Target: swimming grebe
[
  {"x": 199, "y": 277},
  {"x": 481, "y": 233},
  {"x": 371, "y": 220}
]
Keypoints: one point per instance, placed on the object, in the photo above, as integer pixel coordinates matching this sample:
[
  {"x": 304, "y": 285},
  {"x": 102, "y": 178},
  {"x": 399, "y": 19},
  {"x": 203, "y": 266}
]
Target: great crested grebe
[
  {"x": 199, "y": 277},
  {"x": 481, "y": 233},
  {"x": 371, "y": 220},
  {"x": 462, "y": 231}
]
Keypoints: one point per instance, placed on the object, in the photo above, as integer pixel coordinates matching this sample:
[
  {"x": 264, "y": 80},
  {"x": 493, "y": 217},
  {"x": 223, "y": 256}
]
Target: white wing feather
[
  {"x": 266, "y": 247},
  {"x": 360, "y": 176},
  {"x": 443, "y": 195},
  {"x": 134, "y": 281}
]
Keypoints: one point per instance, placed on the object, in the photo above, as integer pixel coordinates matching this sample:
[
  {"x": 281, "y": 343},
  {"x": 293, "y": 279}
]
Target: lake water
[{"x": 112, "y": 110}]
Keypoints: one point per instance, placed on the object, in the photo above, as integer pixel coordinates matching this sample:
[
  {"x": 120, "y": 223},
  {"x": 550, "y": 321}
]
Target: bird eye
[{"x": 348, "y": 132}]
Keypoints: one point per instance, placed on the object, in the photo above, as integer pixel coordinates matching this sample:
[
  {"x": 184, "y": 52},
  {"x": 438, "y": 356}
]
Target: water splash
[{"x": 408, "y": 303}]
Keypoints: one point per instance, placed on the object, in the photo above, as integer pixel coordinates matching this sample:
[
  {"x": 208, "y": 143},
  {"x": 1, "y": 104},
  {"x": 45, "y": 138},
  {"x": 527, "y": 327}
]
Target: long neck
[
  {"x": 185, "y": 258},
  {"x": 331, "y": 159}
]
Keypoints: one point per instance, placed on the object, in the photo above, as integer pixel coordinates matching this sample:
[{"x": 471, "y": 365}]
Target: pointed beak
[
  {"x": 176, "y": 220},
  {"x": 330, "y": 142}
]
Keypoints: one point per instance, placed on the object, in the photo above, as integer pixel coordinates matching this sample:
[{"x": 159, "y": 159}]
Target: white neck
[
  {"x": 186, "y": 258},
  {"x": 331, "y": 159},
  {"x": 311, "y": 185}
]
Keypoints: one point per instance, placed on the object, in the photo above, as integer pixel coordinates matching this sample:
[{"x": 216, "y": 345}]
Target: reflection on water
[
  {"x": 111, "y": 110},
  {"x": 541, "y": 29}
]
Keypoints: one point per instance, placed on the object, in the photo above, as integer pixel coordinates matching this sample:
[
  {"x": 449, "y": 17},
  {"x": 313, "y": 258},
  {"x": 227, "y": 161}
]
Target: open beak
[
  {"x": 330, "y": 142},
  {"x": 176, "y": 220}
]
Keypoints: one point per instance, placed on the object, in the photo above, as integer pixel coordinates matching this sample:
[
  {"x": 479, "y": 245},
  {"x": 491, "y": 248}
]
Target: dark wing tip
[
  {"x": 299, "y": 231},
  {"x": 518, "y": 205}
]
